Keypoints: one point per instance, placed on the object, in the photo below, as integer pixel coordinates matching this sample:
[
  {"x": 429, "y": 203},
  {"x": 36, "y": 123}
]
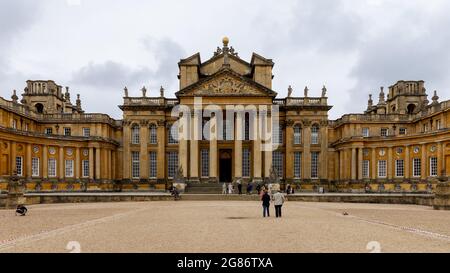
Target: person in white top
[
  {"x": 278, "y": 201},
  {"x": 230, "y": 188},
  {"x": 224, "y": 188}
]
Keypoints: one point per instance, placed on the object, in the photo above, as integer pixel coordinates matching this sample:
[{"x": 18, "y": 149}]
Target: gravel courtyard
[{"x": 224, "y": 226}]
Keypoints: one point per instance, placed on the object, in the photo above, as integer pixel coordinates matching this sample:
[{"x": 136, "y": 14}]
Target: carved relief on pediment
[{"x": 227, "y": 86}]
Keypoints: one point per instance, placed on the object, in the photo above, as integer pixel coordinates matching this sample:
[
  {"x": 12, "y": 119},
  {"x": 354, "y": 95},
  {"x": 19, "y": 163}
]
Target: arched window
[
  {"x": 39, "y": 108},
  {"x": 297, "y": 134},
  {"x": 153, "y": 134},
  {"x": 315, "y": 134},
  {"x": 411, "y": 108},
  {"x": 135, "y": 137},
  {"x": 247, "y": 127}
]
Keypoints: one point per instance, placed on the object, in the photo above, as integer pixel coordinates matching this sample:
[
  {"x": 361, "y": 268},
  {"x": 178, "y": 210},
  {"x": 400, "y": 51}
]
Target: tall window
[
  {"x": 69, "y": 168},
  {"x": 402, "y": 131},
  {"x": 382, "y": 171},
  {"x": 246, "y": 163},
  {"x": 86, "y": 132},
  {"x": 277, "y": 163},
  {"x": 399, "y": 168},
  {"x": 314, "y": 165},
  {"x": 14, "y": 124},
  {"x": 135, "y": 130},
  {"x": 49, "y": 131},
  {"x": 417, "y": 167},
  {"x": 384, "y": 132},
  {"x": 205, "y": 162},
  {"x": 297, "y": 134},
  {"x": 247, "y": 127},
  {"x": 35, "y": 166},
  {"x": 172, "y": 134},
  {"x": 227, "y": 130},
  {"x": 433, "y": 166},
  {"x": 172, "y": 164},
  {"x": 438, "y": 124},
  {"x": 315, "y": 134},
  {"x": 297, "y": 165},
  {"x": 153, "y": 164},
  {"x": 67, "y": 131},
  {"x": 26, "y": 127},
  {"x": 19, "y": 165},
  {"x": 51, "y": 167},
  {"x": 135, "y": 165},
  {"x": 153, "y": 134},
  {"x": 85, "y": 168},
  {"x": 365, "y": 132},
  {"x": 277, "y": 134},
  {"x": 365, "y": 168}
]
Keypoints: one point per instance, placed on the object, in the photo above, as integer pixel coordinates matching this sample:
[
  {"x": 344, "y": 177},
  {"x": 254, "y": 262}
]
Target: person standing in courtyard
[
  {"x": 224, "y": 188},
  {"x": 265, "y": 203},
  {"x": 239, "y": 185},
  {"x": 230, "y": 188},
  {"x": 278, "y": 201}
]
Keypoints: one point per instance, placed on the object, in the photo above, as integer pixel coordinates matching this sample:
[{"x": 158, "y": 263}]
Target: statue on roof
[
  {"x": 306, "y": 91},
  {"x": 126, "y": 92},
  {"x": 324, "y": 92},
  {"x": 290, "y": 90}
]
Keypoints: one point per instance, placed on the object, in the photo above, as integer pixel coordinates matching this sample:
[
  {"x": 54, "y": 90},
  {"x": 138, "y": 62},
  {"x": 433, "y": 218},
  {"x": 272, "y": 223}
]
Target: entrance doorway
[{"x": 225, "y": 166}]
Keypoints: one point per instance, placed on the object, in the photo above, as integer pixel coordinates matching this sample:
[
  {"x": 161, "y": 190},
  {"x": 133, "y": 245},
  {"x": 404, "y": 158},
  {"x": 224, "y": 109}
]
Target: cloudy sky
[{"x": 99, "y": 46}]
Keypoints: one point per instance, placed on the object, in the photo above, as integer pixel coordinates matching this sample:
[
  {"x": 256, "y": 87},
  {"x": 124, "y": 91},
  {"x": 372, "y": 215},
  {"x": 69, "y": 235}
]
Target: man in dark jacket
[{"x": 266, "y": 203}]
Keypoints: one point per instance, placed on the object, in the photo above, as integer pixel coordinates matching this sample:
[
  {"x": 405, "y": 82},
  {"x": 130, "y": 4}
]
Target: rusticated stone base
[{"x": 442, "y": 196}]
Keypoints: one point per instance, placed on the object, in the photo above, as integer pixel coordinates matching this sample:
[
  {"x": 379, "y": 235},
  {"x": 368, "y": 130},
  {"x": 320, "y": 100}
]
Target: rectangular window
[
  {"x": 69, "y": 168},
  {"x": 277, "y": 134},
  {"x": 35, "y": 166},
  {"x": 399, "y": 168},
  {"x": 425, "y": 128},
  {"x": 433, "y": 166},
  {"x": 384, "y": 132},
  {"x": 438, "y": 124},
  {"x": 67, "y": 131},
  {"x": 277, "y": 163},
  {"x": 153, "y": 134},
  {"x": 402, "y": 131},
  {"x": 297, "y": 165},
  {"x": 135, "y": 134},
  {"x": 26, "y": 127},
  {"x": 153, "y": 164},
  {"x": 51, "y": 167},
  {"x": 315, "y": 135},
  {"x": 86, "y": 132},
  {"x": 365, "y": 168},
  {"x": 172, "y": 134},
  {"x": 85, "y": 173},
  {"x": 172, "y": 164},
  {"x": 19, "y": 165},
  {"x": 246, "y": 163},
  {"x": 205, "y": 162},
  {"x": 297, "y": 135},
  {"x": 135, "y": 165},
  {"x": 49, "y": 131},
  {"x": 14, "y": 124},
  {"x": 417, "y": 167},
  {"x": 247, "y": 128},
  {"x": 365, "y": 132},
  {"x": 382, "y": 171},
  {"x": 314, "y": 165}
]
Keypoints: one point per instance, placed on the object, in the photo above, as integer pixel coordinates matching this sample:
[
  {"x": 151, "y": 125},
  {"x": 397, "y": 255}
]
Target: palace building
[{"x": 398, "y": 144}]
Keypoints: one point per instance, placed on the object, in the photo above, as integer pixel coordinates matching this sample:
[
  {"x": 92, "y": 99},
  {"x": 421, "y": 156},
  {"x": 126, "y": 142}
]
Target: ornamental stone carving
[{"x": 227, "y": 85}]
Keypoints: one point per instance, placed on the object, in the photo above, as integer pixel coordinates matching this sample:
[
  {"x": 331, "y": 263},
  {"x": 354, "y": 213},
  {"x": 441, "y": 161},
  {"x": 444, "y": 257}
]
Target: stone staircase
[{"x": 204, "y": 188}]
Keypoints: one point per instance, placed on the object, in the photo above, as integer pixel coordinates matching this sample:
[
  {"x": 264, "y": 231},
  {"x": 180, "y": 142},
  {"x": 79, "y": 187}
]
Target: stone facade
[{"x": 399, "y": 144}]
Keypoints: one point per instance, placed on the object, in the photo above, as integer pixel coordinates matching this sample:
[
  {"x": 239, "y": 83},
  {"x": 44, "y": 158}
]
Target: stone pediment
[{"x": 226, "y": 83}]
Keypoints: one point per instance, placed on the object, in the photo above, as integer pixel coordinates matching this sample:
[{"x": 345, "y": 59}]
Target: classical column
[
  {"x": 390, "y": 164},
  {"x": 323, "y": 162},
  {"x": 373, "y": 163},
  {"x": 360, "y": 163},
  {"x": 13, "y": 157},
  {"x": 77, "y": 163},
  {"x": 268, "y": 151},
  {"x": 113, "y": 165},
  {"x": 194, "y": 152},
  {"x": 353, "y": 164},
  {"x": 213, "y": 130},
  {"x": 424, "y": 162},
  {"x": 28, "y": 163},
  {"x": 97, "y": 163},
  {"x": 341, "y": 165},
  {"x": 289, "y": 149},
  {"x": 143, "y": 154},
  {"x": 407, "y": 162},
  {"x": 44, "y": 162},
  {"x": 126, "y": 151},
  {"x": 442, "y": 168},
  {"x": 239, "y": 136},
  {"x": 91, "y": 163},
  {"x": 257, "y": 168},
  {"x": 183, "y": 149},
  {"x": 61, "y": 163},
  {"x": 161, "y": 134},
  {"x": 306, "y": 150},
  {"x": 336, "y": 165}
]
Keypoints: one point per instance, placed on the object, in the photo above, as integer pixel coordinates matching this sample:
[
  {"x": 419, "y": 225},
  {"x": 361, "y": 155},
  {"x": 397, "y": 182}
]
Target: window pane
[
  {"x": 246, "y": 163},
  {"x": 135, "y": 165},
  {"x": 35, "y": 166},
  {"x": 297, "y": 165},
  {"x": 172, "y": 165},
  {"x": 277, "y": 163},
  {"x": 153, "y": 164},
  {"x": 205, "y": 162},
  {"x": 315, "y": 165}
]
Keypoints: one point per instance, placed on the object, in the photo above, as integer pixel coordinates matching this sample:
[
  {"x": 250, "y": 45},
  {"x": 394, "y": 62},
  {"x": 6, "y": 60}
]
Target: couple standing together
[{"x": 278, "y": 200}]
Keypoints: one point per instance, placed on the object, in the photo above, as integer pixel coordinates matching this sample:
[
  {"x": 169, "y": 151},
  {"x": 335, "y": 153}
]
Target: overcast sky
[{"x": 97, "y": 47}]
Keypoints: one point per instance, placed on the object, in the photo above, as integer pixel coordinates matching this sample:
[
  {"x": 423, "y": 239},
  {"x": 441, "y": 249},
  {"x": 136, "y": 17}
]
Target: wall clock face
[
  {"x": 52, "y": 150},
  {"x": 382, "y": 152},
  {"x": 36, "y": 149},
  {"x": 416, "y": 150}
]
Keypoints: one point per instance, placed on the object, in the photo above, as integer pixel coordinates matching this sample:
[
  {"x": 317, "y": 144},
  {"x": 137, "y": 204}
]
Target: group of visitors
[
  {"x": 228, "y": 188},
  {"x": 278, "y": 199}
]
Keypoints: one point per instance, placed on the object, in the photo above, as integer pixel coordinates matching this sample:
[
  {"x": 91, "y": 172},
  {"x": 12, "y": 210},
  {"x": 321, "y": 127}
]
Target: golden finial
[{"x": 225, "y": 41}]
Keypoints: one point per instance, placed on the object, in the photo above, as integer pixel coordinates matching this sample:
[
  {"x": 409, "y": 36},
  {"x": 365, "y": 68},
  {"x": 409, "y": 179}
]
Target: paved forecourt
[{"x": 225, "y": 226}]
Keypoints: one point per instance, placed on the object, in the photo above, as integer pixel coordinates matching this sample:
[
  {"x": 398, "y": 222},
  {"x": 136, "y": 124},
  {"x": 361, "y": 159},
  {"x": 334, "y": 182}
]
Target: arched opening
[
  {"x": 411, "y": 108},
  {"x": 39, "y": 108}
]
